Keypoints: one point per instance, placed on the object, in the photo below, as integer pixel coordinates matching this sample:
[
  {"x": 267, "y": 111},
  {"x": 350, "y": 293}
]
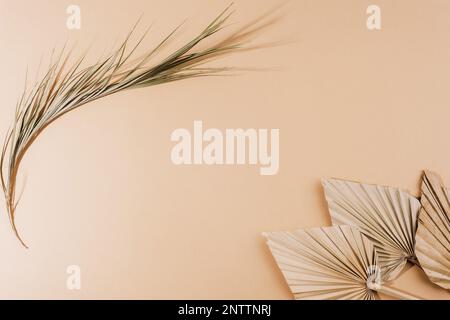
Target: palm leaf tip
[
  {"x": 433, "y": 232},
  {"x": 66, "y": 87},
  {"x": 386, "y": 215}
]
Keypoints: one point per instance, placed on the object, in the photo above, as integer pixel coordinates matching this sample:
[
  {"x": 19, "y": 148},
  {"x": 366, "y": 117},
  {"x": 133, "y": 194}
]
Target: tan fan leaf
[
  {"x": 386, "y": 215},
  {"x": 329, "y": 263},
  {"x": 433, "y": 232},
  {"x": 325, "y": 263}
]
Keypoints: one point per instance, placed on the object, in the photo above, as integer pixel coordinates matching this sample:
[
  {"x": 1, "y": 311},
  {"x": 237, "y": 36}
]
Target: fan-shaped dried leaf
[
  {"x": 325, "y": 263},
  {"x": 386, "y": 215},
  {"x": 433, "y": 232}
]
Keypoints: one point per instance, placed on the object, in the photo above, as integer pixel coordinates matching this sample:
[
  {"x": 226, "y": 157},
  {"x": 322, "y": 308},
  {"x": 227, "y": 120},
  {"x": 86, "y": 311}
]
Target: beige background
[{"x": 101, "y": 190}]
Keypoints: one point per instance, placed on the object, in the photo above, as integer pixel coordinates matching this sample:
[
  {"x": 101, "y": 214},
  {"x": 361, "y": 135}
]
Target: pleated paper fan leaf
[
  {"x": 386, "y": 215},
  {"x": 433, "y": 232},
  {"x": 325, "y": 263}
]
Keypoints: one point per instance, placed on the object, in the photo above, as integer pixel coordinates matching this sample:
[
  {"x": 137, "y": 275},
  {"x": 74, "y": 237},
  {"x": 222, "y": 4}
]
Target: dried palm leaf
[
  {"x": 64, "y": 89},
  {"x": 386, "y": 215},
  {"x": 329, "y": 263},
  {"x": 433, "y": 232}
]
